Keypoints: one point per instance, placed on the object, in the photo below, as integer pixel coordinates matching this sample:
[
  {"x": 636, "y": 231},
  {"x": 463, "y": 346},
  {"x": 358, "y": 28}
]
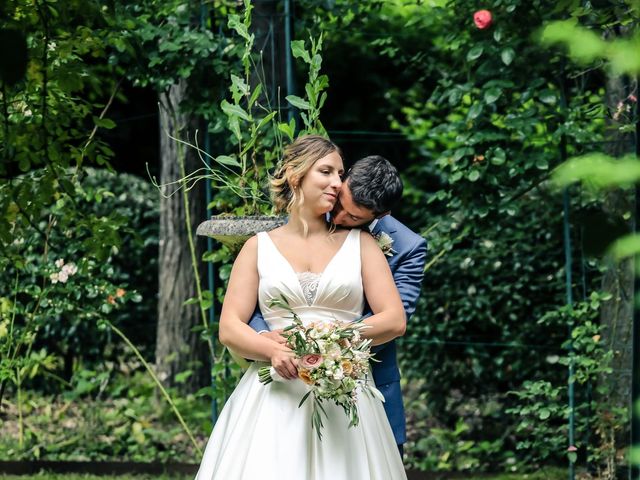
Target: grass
[
  {"x": 78, "y": 476},
  {"x": 550, "y": 474}
]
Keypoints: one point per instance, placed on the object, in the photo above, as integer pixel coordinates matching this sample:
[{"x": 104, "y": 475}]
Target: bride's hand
[{"x": 284, "y": 362}]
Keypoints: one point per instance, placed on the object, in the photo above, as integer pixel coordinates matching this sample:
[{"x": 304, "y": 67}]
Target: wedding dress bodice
[{"x": 338, "y": 291}]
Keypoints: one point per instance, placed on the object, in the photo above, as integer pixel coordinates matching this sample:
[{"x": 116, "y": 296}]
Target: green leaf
[
  {"x": 234, "y": 126},
  {"x": 266, "y": 120},
  {"x": 183, "y": 376},
  {"x": 234, "y": 110},
  {"x": 584, "y": 45},
  {"x": 544, "y": 414},
  {"x": 626, "y": 246},
  {"x": 498, "y": 157},
  {"x": 235, "y": 24},
  {"x": 227, "y": 160},
  {"x": 548, "y": 96},
  {"x": 298, "y": 102},
  {"x": 287, "y": 129},
  {"x": 474, "y": 175},
  {"x": 255, "y": 94},
  {"x": 507, "y": 55},
  {"x": 491, "y": 95},
  {"x": 24, "y": 164},
  {"x": 104, "y": 122},
  {"x": 474, "y": 111},
  {"x": 298, "y": 51},
  {"x": 542, "y": 164},
  {"x": 598, "y": 170},
  {"x": 475, "y": 52}
]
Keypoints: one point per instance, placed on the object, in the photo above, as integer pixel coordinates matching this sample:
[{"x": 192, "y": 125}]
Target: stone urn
[{"x": 234, "y": 231}]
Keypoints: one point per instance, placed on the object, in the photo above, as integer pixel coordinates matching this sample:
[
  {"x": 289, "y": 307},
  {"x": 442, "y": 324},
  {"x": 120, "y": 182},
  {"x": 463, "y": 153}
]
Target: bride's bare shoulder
[
  {"x": 249, "y": 248},
  {"x": 277, "y": 232}
]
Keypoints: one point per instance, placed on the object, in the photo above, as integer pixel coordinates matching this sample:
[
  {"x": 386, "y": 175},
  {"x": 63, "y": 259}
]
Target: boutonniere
[{"x": 385, "y": 242}]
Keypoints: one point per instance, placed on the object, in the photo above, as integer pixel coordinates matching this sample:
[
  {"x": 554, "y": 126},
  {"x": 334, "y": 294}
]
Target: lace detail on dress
[{"x": 309, "y": 282}]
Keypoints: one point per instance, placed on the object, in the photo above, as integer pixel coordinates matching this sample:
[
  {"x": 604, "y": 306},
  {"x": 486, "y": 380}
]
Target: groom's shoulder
[{"x": 402, "y": 231}]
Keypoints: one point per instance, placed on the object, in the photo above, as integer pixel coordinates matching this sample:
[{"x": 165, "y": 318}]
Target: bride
[{"x": 325, "y": 274}]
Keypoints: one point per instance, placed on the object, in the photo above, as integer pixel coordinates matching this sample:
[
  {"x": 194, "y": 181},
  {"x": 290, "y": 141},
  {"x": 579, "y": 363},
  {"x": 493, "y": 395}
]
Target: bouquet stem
[{"x": 264, "y": 375}]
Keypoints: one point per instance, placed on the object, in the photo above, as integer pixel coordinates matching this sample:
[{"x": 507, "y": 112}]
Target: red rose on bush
[{"x": 482, "y": 19}]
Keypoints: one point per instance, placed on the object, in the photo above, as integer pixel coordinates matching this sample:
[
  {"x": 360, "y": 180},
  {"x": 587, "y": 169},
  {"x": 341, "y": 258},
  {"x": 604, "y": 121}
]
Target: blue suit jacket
[{"x": 407, "y": 266}]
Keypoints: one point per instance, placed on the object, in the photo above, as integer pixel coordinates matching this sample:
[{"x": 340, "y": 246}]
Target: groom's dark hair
[{"x": 374, "y": 183}]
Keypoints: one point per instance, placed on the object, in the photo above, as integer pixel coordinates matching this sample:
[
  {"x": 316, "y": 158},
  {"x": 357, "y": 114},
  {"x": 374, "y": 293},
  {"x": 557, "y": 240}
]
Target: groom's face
[{"x": 347, "y": 213}]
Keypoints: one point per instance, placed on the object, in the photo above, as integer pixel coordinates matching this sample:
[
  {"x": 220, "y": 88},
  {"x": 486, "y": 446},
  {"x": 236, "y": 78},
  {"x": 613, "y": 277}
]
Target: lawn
[{"x": 551, "y": 474}]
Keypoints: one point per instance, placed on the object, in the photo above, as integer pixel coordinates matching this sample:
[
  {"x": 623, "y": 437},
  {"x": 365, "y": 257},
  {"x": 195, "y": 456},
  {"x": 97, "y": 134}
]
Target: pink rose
[
  {"x": 311, "y": 361},
  {"x": 482, "y": 19}
]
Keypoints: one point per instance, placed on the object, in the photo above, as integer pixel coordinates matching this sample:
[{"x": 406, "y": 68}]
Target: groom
[{"x": 370, "y": 189}]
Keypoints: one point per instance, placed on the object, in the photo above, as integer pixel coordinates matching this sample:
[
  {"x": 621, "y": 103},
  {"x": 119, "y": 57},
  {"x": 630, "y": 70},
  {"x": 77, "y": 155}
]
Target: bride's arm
[
  {"x": 389, "y": 319},
  {"x": 237, "y": 308}
]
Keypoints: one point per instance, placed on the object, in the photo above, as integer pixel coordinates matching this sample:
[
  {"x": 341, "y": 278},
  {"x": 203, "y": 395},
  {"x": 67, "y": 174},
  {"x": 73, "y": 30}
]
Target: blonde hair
[{"x": 298, "y": 159}]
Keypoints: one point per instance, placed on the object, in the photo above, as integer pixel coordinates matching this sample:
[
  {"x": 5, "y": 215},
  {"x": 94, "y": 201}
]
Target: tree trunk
[
  {"x": 618, "y": 279},
  {"x": 178, "y": 348}
]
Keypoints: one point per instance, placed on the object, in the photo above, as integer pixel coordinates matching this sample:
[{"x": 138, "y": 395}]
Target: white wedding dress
[{"x": 261, "y": 434}]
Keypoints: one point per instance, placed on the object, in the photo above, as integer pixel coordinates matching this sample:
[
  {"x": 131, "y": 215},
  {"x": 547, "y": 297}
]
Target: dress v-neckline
[{"x": 316, "y": 273}]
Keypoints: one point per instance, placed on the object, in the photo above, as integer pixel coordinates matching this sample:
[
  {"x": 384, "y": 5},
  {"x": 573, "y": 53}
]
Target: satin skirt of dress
[{"x": 262, "y": 434}]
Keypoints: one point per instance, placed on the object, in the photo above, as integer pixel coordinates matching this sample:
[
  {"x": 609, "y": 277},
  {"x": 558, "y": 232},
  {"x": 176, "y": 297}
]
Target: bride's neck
[{"x": 315, "y": 223}]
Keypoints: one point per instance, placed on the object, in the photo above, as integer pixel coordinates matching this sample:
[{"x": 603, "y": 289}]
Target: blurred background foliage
[{"x": 477, "y": 120}]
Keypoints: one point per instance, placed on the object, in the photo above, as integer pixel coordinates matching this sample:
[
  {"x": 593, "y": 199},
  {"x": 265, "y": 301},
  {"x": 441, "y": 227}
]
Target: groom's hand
[{"x": 275, "y": 335}]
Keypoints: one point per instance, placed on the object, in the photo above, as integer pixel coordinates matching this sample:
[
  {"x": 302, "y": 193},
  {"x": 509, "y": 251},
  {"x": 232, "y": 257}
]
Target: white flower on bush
[
  {"x": 466, "y": 263},
  {"x": 488, "y": 244},
  {"x": 70, "y": 269},
  {"x": 66, "y": 270}
]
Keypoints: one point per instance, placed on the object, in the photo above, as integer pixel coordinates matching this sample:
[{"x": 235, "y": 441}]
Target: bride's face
[{"x": 322, "y": 183}]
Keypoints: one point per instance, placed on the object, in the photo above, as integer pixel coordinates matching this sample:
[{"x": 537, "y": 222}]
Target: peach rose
[
  {"x": 347, "y": 367},
  {"x": 305, "y": 376}
]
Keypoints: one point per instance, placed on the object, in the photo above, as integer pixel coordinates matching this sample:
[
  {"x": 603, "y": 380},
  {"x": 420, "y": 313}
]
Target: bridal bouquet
[{"x": 333, "y": 359}]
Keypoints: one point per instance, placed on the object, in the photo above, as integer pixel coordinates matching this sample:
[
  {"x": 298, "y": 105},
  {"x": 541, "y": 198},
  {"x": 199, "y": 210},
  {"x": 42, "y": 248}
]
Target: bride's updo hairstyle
[{"x": 298, "y": 159}]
